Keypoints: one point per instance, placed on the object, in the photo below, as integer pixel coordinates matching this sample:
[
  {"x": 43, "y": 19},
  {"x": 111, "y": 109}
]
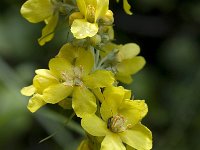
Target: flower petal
[
  {"x": 82, "y": 29},
  {"x": 82, "y": 6},
  {"x": 42, "y": 82},
  {"x": 113, "y": 99},
  {"x": 99, "y": 78},
  {"x": 28, "y": 91},
  {"x": 35, "y": 102},
  {"x": 124, "y": 78},
  {"x": 101, "y": 8},
  {"x": 98, "y": 94},
  {"x": 130, "y": 66},
  {"x": 127, "y": 94},
  {"x": 83, "y": 101},
  {"x": 60, "y": 66},
  {"x": 94, "y": 125},
  {"x": 69, "y": 52},
  {"x": 37, "y": 10},
  {"x": 129, "y": 148},
  {"x": 55, "y": 93},
  {"x": 66, "y": 103},
  {"x": 128, "y": 51},
  {"x": 85, "y": 60},
  {"x": 127, "y": 7},
  {"x": 138, "y": 137},
  {"x": 112, "y": 142},
  {"x": 133, "y": 110},
  {"x": 45, "y": 73},
  {"x": 48, "y": 30}
]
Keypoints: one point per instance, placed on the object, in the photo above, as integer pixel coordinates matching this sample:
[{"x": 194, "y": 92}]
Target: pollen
[
  {"x": 90, "y": 13},
  {"x": 74, "y": 79},
  {"x": 117, "y": 124}
]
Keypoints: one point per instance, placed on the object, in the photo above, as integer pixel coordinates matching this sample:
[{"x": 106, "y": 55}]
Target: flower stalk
[{"x": 85, "y": 73}]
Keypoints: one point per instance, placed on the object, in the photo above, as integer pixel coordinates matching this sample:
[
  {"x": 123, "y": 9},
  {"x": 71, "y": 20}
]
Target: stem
[
  {"x": 98, "y": 108},
  {"x": 69, "y": 119},
  {"x": 48, "y": 137},
  {"x": 97, "y": 57},
  {"x": 102, "y": 61},
  {"x": 93, "y": 53}
]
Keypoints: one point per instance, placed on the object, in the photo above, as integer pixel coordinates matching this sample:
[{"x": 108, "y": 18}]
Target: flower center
[
  {"x": 73, "y": 78},
  {"x": 90, "y": 13},
  {"x": 117, "y": 124},
  {"x": 77, "y": 76}
]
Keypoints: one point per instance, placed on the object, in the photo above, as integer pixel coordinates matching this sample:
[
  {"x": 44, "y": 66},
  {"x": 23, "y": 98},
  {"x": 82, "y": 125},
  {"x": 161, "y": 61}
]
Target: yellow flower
[
  {"x": 119, "y": 122},
  {"x": 92, "y": 10},
  {"x": 126, "y": 7},
  {"x": 70, "y": 74},
  {"x": 42, "y": 10},
  {"x": 124, "y": 62},
  {"x": 41, "y": 81}
]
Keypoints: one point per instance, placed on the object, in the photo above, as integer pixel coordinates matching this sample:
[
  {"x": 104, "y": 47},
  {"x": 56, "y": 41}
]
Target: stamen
[
  {"x": 68, "y": 79},
  {"x": 78, "y": 71},
  {"x": 90, "y": 14},
  {"x": 74, "y": 78},
  {"x": 117, "y": 124}
]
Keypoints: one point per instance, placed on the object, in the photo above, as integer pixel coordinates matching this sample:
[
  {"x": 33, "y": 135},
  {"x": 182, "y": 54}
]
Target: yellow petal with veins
[
  {"x": 83, "y": 101},
  {"x": 81, "y": 28},
  {"x": 138, "y": 137},
  {"x": 94, "y": 125},
  {"x": 28, "y": 91},
  {"x": 127, "y": 7},
  {"x": 112, "y": 142},
  {"x": 55, "y": 93},
  {"x": 99, "y": 78},
  {"x": 37, "y": 10},
  {"x": 48, "y": 30},
  {"x": 35, "y": 102}
]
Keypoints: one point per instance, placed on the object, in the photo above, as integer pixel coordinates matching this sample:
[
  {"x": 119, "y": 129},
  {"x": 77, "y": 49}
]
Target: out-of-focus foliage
[
  {"x": 20, "y": 55},
  {"x": 169, "y": 35}
]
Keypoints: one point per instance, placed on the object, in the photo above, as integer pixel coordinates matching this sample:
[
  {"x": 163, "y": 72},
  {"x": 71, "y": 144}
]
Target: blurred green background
[{"x": 168, "y": 33}]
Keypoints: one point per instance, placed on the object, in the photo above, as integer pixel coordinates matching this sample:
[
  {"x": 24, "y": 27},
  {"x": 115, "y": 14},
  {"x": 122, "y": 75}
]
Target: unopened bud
[
  {"x": 95, "y": 40},
  {"x": 111, "y": 33},
  {"x": 107, "y": 19},
  {"x": 75, "y": 15}
]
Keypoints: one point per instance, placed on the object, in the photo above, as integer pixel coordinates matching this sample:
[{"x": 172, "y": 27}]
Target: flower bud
[
  {"x": 95, "y": 40},
  {"x": 107, "y": 19},
  {"x": 75, "y": 15}
]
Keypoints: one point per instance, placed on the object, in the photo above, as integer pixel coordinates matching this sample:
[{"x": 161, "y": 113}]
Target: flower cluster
[{"x": 85, "y": 73}]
